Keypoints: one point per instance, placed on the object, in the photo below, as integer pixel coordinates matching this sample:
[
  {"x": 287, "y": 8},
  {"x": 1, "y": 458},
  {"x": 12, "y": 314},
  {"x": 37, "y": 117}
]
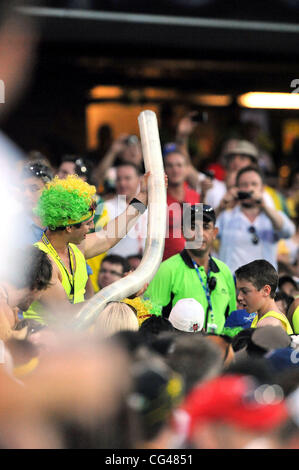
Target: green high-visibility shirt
[{"x": 177, "y": 279}]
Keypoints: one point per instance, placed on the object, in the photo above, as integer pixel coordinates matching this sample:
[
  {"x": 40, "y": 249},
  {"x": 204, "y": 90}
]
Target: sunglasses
[
  {"x": 255, "y": 238},
  {"x": 39, "y": 171}
]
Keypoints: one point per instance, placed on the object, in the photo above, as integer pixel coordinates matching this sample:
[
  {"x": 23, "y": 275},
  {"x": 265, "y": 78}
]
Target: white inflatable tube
[{"x": 156, "y": 228}]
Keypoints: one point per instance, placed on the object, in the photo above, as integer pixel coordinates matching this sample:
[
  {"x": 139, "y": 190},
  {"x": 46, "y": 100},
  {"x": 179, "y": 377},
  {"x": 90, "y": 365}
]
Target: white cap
[{"x": 187, "y": 315}]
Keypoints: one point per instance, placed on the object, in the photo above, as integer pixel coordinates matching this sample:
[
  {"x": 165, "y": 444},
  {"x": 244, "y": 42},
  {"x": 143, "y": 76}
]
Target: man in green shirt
[{"x": 194, "y": 273}]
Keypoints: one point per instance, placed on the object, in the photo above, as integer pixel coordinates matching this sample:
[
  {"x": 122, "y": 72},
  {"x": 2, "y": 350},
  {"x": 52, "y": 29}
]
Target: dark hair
[
  {"x": 257, "y": 368},
  {"x": 68, "y": 158},
  {"x": 29, "y": 268},
  {"x": 137, "y": 255},
  {"x": 247, "y": 169},
  {"x": 131, "y": 164},
  {"x": 260, "y": 273},
  {"x": 83, "y": 166},
  {"x": 61, "y": 228},
  {"x": 172, "y": 151},
  {"x": 194, "y": 357},
  {"x": 288, "y": 299},
  {"x": 153, "y": 326},
  {"x": 116, "y": 259},
  {"x": 284, "y": 279},
  {"x": 283, "y": 267}
]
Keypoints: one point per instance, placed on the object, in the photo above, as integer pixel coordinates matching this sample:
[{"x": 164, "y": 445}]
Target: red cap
[{"x": 237, "y": 400}]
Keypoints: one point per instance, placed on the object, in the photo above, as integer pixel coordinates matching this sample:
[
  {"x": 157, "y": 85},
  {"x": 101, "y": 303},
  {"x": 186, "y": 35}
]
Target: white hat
[{"x": 187, "y": 315}]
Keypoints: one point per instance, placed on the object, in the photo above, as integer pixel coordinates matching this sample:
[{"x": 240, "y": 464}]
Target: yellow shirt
[{"x": 279, "y": 316}]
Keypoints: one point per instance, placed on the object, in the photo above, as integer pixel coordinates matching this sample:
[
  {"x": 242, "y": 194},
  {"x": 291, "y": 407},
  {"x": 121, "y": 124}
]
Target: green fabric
[
  {"x": 232, "y": 331},
  {"x": 36, "y": 310},
  {"x": 295, "y": 321},
  {"x": 175, "y": 278},
  {"x": 279, "y": 316}
]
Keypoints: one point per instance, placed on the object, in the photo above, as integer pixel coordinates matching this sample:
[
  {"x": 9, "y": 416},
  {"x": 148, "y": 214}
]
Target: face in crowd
[
  {"x": 127, "y": 181},
  {"x": 200, "y": 237},
  {"x": 31, "y": 189},
  {"x": 251, "y": 182},
  {"x": 65, "y": 169},
  {"x": 176, "y": 168},
  {"x": 237, "y": 162},
  {"x": 249, "y": 297},
  {"x": 109, "y": 273},
  {"x": 78, "y": 234}
]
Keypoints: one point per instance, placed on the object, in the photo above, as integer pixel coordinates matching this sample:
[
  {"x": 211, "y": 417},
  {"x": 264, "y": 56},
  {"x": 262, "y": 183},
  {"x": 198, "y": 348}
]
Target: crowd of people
[{"x": 205, "y": 356}]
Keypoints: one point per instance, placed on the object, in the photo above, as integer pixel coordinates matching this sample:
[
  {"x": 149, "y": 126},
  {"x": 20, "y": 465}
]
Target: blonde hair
[{"x": 116, "y": 316}]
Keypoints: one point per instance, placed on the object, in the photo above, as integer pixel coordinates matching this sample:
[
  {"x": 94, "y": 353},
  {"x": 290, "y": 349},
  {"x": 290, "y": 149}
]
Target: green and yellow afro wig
[{"x": 66, "y": 202}]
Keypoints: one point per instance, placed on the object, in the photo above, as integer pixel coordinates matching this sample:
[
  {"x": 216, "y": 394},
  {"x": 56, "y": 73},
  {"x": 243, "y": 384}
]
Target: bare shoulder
[{"x": 269, "y": 321}]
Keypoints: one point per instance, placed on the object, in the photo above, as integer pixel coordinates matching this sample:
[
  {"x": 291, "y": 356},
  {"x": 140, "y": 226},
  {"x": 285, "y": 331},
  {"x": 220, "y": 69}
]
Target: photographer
[{"x": 249, "y": 228}]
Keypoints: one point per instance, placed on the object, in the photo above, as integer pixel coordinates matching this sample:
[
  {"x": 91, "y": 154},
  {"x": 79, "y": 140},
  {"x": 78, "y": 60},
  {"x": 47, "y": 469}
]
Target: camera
[{"x": 244, "y": 195}]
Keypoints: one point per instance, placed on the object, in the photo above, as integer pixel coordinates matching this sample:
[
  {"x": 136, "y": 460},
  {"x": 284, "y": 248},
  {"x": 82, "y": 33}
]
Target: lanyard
[
  {"x": 52, "y": 250},
  {"x": 212, "y": 325}
]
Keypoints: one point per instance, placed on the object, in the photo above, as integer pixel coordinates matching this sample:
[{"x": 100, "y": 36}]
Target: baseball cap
[
  {"x": 283, "y": 358},
  {"x": 187, "y": 315},
  {"x": 197, "y": 210},
  {"x": 235, "y": 399},
  {"x": 242, "y": 147},
  {"x": 170, "y": 147}
]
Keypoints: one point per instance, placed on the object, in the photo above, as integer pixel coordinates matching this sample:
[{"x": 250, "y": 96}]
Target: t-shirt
[
  {"x": 236, "y": 239},
  {"x": 177, "y": 279},
  {"x": 174, "y": 241}
]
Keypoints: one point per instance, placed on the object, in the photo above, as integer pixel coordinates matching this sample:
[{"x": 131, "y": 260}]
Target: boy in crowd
[{"x": 256, "y": 285}]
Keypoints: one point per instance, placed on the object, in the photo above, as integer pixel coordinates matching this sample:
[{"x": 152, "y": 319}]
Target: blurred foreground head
[
  {"x": 79, "y": 385},
  {"x": 17, "y": 39},
  {"x": 157, "y": 391},
  {"x": 116, "y": 316},
  {"x": 18, "y": 36},
  {"x": 233, "y": 412}
]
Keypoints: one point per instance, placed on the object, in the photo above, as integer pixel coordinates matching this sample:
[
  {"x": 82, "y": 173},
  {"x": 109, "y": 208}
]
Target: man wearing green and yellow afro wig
[{"x": 66, "y": 207}]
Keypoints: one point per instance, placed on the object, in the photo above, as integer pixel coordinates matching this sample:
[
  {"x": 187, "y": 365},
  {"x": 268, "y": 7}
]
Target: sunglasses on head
[{"x": 39, "y": 171}]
